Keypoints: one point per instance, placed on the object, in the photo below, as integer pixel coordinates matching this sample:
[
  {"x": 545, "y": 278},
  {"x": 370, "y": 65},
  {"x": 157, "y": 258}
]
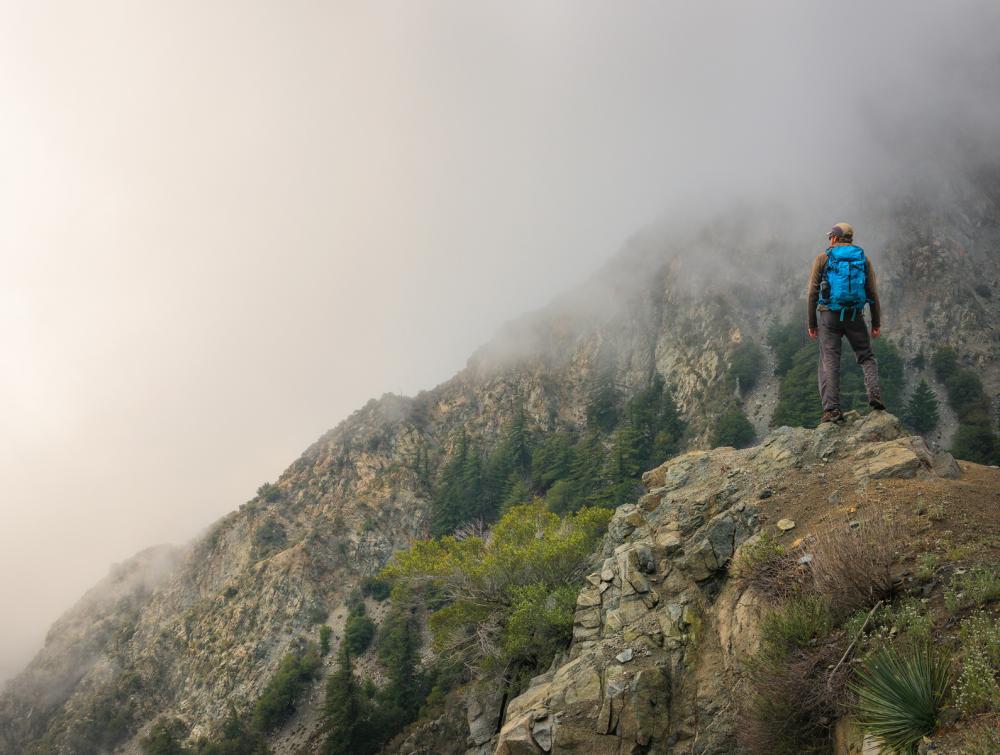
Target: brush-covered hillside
[{"x": 417, "y": 571}]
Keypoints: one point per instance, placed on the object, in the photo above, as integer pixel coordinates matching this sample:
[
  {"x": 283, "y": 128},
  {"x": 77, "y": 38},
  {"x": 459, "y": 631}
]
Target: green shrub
[
  {"x": 976, "y": 689},
  {"x": 561, "y": 497},
  {"x": 900, "y": 691},
  {"x": 795, "y": 686},
  {"x": 797, "y": 623},
  {"x": 975, "y": 587},
  {"x": 165, "y": 738},
  {"x": 538, "y": 627},
  {"x": 927, "y": 566},
  {"x": 376, "y": 588},
  {"x": 236, "y": 738},
  {"x": 496, "y": 619},
  {"x": 270, "y": 537},
  {"x": 277, "y": 701},
  {"x": 976, "y": 443},
  {"x": 269, "y": 492},
  {"x": 325, "y": 632},
  {"x": 733, "y": 429},
  {"x": 944, "y": 362},
  {"x": 965, "y": 392},
  {"x": 358, "y": 631},
  {"x": 980, "y": 631},
  {"x": 908, "y": 619},
  {"x": 746, "y": 365}
]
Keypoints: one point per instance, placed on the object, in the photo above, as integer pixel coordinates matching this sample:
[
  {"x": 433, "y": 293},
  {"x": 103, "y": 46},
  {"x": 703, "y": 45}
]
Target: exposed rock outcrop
[{"x": 658, "y": 628}]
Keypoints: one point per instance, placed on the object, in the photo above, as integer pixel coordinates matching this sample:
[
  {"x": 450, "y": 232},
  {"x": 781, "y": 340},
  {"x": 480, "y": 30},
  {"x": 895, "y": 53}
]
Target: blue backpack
[{"x": 844, "y": 280}]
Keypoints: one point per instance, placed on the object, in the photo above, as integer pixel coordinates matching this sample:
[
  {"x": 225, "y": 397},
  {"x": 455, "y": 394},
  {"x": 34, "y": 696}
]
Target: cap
[{"x": 842, "y": 231}]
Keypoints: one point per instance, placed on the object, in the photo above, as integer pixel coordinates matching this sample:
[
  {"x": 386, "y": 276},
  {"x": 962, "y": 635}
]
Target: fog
[{"x": 224, "y": 226}]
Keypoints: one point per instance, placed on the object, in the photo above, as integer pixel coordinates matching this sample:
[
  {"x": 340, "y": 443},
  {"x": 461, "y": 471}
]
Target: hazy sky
[{"x": 225, "y": 225}]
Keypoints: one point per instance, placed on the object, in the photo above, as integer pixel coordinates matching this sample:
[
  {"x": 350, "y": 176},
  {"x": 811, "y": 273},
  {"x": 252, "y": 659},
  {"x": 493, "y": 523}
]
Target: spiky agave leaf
[{"x": 899, "y": 694}]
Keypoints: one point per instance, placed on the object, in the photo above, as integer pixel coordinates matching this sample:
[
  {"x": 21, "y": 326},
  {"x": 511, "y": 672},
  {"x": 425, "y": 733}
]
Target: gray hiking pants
[{"x": 831, "y": 330}]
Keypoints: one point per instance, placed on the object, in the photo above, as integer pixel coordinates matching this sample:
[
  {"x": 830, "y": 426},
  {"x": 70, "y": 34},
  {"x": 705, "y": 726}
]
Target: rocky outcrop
[{"x": 659, "y": 629}]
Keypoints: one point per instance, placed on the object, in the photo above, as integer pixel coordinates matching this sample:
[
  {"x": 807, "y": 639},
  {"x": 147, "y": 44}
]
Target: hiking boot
[
  {"x": 834, "y": 415},
  {"x": 876, "y": 403}
]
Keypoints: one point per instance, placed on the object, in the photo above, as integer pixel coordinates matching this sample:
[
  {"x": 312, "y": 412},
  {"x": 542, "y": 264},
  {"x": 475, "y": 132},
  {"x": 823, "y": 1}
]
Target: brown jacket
[{"x": 816, "y": 277}]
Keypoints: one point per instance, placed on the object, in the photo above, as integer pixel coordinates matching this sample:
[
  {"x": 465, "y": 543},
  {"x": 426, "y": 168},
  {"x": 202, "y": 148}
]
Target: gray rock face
[{"x": 658, "y": 624}]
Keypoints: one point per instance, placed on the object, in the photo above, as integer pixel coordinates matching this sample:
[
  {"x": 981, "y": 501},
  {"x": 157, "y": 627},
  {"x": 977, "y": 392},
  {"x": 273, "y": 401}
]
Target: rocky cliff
[
  {"x": 660, "y": 630},
  {"x": 194, "y": 631}
]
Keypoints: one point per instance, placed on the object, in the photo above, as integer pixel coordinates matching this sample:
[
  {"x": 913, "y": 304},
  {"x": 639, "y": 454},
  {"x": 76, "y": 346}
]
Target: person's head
[{"x": 841, "y": 233}]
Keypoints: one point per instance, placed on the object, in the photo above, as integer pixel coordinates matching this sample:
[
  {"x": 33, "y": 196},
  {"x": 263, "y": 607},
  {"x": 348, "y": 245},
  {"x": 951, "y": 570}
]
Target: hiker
[{"x": 841, "y": 283}]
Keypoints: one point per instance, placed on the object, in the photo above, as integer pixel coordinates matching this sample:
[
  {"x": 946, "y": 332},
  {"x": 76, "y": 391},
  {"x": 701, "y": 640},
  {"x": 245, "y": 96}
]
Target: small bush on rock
[
  {"x": 765, "y": 566},
  {"x": 278, "y": 700}
]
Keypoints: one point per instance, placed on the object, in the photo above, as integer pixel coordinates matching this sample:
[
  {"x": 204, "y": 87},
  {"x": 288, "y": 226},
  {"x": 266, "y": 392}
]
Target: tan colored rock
[
  {"x": 889, "y": 459},
  {"x": 516, "y": 739}
]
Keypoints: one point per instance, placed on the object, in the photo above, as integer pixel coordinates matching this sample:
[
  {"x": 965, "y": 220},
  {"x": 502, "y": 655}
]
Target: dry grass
[
  {"x": 852, "y": 561},
  {"x": 769, "y": 569},
  {"x": 793, "y": 702}
]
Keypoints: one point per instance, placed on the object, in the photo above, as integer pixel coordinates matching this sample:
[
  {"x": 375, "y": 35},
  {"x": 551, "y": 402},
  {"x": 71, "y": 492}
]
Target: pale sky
[{"x": 226, "y": 225}]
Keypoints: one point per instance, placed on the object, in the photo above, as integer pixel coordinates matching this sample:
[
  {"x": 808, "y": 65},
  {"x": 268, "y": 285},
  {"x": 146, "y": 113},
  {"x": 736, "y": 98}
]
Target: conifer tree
[
  {"x": 922, "y": 409},
  {"x": 552, "y": 460},
  {"x": 670, "y": 429},
  {"x": 602, "y": 402},
  {"x": 588, "y": 471},
  {"x": 345, "y": 708},
  {"x": 733, "y": 429},
  {"x": 508, "y": 466},
  {"x": 447, "y": 506}
]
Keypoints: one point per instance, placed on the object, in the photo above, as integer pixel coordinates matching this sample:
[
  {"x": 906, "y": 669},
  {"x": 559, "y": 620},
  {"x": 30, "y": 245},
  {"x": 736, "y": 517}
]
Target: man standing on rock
[{"x": 841, "y": 283}]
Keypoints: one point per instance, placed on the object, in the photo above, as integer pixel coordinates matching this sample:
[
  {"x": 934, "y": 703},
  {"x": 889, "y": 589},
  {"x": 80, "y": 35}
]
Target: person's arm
[
  {"x": 812, "y": 292},
  {"x": 871, "y": 291}
]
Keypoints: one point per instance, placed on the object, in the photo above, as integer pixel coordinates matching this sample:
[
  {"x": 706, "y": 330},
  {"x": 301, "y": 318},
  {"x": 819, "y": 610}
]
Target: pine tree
[
  {"x": 508, "y": 466},
  {"x": 345, "y": 708},
  {"x": 552, "y": 461},
  {"x": 588, "y": 472},
  {"x": 602, "y": 402},
  {"x": 733, "y": 429},
  {"x": 447, "y": 504},
  {"x": 922, "y": 409},
  {"x": 625, "y": 464},
  {"x": 977, "y": 443},
  {"x": 670, "y": 429}
]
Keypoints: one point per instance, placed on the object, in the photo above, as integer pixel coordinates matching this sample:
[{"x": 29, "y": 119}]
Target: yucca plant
[{"x": 899, "y": 694}]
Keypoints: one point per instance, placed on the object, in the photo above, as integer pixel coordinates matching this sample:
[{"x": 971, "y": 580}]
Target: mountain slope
[{"x": 210, "y": 631}]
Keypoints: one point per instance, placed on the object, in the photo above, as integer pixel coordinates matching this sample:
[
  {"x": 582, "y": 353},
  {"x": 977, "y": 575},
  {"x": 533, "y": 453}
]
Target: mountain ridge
[{"x": 213, "y": 628}]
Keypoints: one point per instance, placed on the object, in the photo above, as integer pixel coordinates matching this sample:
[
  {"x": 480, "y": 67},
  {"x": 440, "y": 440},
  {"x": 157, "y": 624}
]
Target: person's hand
[
  {"x": 876, "y": 332},
  {"x": 811, "y": 332}
]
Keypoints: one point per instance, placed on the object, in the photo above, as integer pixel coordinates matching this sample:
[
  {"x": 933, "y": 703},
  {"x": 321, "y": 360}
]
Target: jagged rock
[
  {"x": 541, "y": 732},
  {"x": 482, "y": 711},
  {"x": 685, "y": 637}
]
